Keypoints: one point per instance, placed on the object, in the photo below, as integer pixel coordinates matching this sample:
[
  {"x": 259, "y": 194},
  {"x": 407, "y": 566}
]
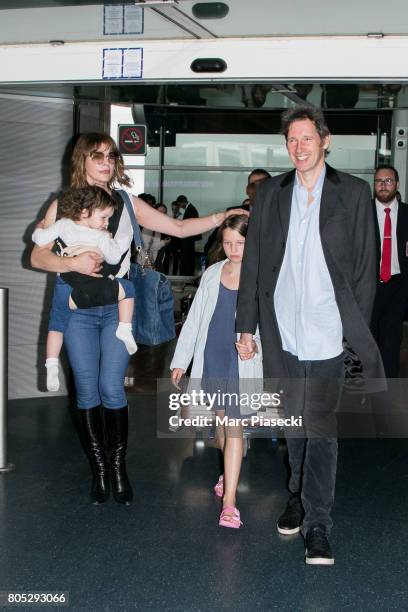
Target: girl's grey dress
[{"x": 220, "y": 372}]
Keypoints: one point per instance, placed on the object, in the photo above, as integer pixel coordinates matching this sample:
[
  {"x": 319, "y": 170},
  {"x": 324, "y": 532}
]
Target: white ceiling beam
[{"x": 290, "y": 60}]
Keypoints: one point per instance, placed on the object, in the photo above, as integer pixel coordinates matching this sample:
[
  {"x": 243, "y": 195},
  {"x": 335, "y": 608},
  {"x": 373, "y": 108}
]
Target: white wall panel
[
  {"x": 34, "y": 134},
  {"x": 287, "y": 59}
]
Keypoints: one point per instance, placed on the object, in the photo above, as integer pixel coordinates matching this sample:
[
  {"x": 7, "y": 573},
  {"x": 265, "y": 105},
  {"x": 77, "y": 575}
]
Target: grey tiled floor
[{"x": 166, "y": 552}]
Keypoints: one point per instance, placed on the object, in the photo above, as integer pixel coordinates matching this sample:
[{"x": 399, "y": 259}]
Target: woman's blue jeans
[{"x": 97, "y": 358}]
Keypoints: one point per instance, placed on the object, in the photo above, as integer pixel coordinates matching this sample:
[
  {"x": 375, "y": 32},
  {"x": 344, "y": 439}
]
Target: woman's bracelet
[{"x": 215, "y": 220}]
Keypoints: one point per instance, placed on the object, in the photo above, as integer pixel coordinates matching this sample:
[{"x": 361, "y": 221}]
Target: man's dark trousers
[
  {"x": 390, "y": 304},
  {"x": 313, "y": 392}
]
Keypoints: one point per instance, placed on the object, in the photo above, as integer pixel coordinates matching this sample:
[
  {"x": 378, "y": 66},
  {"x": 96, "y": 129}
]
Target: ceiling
[
  {"x": 22, "y": 4},
  {"x": 246, "y": 18}
]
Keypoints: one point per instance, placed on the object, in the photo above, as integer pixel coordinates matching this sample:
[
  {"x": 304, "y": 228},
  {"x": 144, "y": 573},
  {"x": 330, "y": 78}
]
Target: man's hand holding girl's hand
[{"x": 246, "y": 347}]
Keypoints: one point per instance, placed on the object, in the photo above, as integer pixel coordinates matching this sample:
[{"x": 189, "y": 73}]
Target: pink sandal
[
  {"x": 230, "y": 517},
  {"x": 219, "y": 487}
]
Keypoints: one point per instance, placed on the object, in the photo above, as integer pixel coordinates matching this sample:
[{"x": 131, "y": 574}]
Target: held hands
[
  {"x": 176, "y": 375},
  {"x": 246, "y": 347}
]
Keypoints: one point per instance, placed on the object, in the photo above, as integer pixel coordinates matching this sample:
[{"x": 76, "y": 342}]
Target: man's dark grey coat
[{"x": 348, "y": 242}]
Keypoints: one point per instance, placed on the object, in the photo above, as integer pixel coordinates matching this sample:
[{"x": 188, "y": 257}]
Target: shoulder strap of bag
[{"x": 136, "y": 230}]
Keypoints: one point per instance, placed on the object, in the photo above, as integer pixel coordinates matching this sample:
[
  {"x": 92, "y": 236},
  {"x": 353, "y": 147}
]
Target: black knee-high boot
[
  {"x": 92, "y": 437},
  {"x": 116, "y": 422}
]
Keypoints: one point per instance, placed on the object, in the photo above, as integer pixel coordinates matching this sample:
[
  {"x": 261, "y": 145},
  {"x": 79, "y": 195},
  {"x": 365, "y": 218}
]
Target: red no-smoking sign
[{"x": 132, "y": 139}]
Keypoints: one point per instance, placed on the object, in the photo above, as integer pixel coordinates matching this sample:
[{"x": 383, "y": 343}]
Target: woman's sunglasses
[{"x": 98, "y": 157}]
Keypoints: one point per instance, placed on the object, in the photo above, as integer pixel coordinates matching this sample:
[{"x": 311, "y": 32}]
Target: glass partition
[{"x": 207, "y": 154}]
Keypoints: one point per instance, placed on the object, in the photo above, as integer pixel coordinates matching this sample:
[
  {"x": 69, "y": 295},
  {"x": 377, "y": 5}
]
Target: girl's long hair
[
  {"x": 235, "y": 222},
  {"x": 88, "y": 143}
]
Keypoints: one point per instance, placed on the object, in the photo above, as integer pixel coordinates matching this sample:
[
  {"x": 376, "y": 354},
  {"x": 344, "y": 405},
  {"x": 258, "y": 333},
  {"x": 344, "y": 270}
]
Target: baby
[{"x": 83, "y": 227}]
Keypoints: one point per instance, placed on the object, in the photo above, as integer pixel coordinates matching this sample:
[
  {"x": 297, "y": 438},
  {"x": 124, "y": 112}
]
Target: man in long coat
[{"x": 308, "y": 279}]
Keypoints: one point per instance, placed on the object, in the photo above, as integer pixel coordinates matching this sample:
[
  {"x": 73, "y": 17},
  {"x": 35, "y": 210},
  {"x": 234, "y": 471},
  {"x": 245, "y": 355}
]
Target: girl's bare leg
[
  {"x": 219, "y": 440},
  {"x": 233, "y": 451}
]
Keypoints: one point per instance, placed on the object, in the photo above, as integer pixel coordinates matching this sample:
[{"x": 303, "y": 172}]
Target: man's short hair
[
  {"x": 181, "y": 199},
  {"x": 388, "y": 167},
  {"x": 148, "y": 198},
  {"x": 261, "y": 171},
  {"x": 304, "y": 111}
]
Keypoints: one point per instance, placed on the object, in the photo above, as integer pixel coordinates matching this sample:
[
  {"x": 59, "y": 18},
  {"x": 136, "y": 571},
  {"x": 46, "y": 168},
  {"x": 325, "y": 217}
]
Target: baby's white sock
[
  {"x": 124, "y": 333},
  {"x": 52, "y": 373}
]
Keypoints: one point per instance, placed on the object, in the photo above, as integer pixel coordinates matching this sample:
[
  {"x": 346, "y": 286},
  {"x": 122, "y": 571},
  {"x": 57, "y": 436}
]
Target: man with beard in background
[{"x": 391, "y": 299}]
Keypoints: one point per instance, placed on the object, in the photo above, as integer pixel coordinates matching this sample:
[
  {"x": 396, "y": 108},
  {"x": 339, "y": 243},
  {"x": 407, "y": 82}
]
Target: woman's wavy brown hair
[
  {"x": 235, "y": 222},
  {"x": 72, "y": 202},
  {"x": 89, "y": 143}
]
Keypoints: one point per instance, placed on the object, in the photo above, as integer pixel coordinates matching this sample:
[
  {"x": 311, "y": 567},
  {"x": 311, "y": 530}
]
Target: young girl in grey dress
[{"x": 208, "y": 336}]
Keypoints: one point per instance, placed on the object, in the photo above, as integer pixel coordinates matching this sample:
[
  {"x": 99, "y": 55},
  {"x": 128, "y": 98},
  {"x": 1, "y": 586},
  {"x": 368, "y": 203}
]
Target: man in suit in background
[
  {"x": 308, "y": 279},
  {"x": 187, "y": 247},
  {"x": 391, "y": 298}
]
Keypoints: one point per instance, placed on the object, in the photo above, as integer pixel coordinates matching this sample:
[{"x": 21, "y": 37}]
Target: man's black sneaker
[
  {"x": 318, "y": 551},
  {"x": 290, "y": 521}
]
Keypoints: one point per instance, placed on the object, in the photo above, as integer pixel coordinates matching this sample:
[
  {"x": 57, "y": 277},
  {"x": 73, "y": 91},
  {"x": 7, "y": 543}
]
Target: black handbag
[{"x": 153, "y": 319}]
